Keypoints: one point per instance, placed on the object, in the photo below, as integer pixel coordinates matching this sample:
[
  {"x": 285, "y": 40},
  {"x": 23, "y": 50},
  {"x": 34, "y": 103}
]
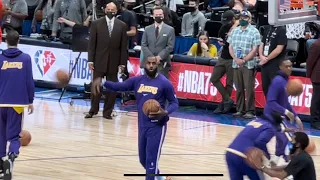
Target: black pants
[
  {"x": 110, "y": 97},
  {"x": 268, "y": 72},
  {"x": 315, "y": 103},
  {"x": 223, "y": 67}
]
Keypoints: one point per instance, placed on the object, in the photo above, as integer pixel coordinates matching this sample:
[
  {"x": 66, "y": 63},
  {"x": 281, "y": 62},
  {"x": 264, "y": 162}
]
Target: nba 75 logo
[{"x": 44, "y": 60}]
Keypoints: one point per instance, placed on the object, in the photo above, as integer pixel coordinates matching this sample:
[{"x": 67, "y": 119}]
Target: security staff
[{"x": 271, "y": 51}]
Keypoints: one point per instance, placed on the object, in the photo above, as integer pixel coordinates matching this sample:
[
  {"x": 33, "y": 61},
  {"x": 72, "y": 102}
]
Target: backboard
[{"x": 283, "y": 12}]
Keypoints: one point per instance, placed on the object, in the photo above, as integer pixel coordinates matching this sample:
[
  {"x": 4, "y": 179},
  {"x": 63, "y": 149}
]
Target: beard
[
  {"x": 151, "y": 74},
  {"x": 293, "y": 149}
]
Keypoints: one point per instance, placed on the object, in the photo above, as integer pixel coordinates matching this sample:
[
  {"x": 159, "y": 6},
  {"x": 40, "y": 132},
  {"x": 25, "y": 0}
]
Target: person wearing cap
[
  {"x": 190, "y": 18},
  {"x": 271, "y": 51},
  {"x": 243, "y": 46},
  {"x": 224, "y": 64}
]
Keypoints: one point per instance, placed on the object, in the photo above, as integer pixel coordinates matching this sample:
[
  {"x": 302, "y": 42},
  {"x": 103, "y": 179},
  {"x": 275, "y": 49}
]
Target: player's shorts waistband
[
  {"x": 13, "y": 105},
  {"x": 236, "y": 152}
]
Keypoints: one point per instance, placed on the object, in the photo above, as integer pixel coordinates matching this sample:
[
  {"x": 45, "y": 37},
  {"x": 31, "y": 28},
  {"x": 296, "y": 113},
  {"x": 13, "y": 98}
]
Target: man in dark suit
[
  {"x": 313, "y": 72},
  {"x": 107, "y": 52},
  {"x": 158, "y": 40}
]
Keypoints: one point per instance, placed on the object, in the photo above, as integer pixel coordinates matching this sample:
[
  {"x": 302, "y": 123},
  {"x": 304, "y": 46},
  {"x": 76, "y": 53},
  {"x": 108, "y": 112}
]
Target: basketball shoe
[{"x": 8, "y": 166}]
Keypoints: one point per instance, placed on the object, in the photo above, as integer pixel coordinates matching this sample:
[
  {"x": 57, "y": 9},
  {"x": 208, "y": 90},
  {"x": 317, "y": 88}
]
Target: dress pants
[
  {"x": 244, "y": 80},
  {"x": 315, "y": 103},
  {"x": 110, "y": 97},
  {"x": 268, "y": 72}
]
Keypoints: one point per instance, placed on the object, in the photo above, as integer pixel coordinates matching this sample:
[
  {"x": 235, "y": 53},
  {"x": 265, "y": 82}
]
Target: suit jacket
[
  {"x": 313, "y": 62},
  {"x": 161, "y": 46},
  {"x": 106, "y": 52}
]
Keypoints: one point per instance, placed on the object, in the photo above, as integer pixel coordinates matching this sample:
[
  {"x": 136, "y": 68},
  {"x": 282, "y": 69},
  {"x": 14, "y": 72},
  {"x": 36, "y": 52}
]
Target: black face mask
[
  {"x": 151, "y": 74},
  {"x": 130, "y": 7},
  {"x": 293, "y": 149},
  {"x": 158, "y": 19},
  {"x": 110, "y": 15}
]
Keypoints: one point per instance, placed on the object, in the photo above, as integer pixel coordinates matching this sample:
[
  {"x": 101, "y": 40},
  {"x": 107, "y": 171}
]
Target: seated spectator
[
  {"x": 312, "y": 33},
  {"x": 15, "y": 12},
  {"x": 190, "y": 18},
  {"x": 203, "y": 48},
  {"x": 243, "y": 4},
  {"x": 46, "y": 8}
]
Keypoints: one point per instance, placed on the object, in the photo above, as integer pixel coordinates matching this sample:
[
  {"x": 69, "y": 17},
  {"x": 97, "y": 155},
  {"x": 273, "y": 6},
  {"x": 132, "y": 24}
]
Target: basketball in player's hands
[
  {"x": 150, "y": 106},
  {"x": 62, "y": 77},
  {"x": 25, "y": 137},
  {"x": 294, "y": 87},
  {"x": 255, "y": 158}
]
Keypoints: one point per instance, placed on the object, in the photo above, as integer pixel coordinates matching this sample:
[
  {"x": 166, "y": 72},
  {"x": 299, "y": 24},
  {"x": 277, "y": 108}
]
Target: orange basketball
[
  {"x": 25, "y": 138},
  {"x": 62, "y": 77},
  {"x": 311, "y": 148},
  {"x": 294, "y": 87},
  {"x": 150, "y": 105}
]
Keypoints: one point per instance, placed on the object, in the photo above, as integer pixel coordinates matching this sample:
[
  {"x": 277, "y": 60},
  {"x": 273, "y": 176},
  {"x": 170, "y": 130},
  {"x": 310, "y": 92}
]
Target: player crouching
[{"x": 256, "y": 134}]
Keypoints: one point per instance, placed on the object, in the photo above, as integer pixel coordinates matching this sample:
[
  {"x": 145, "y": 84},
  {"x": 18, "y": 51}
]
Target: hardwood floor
[{"x": 67, "y": 146}]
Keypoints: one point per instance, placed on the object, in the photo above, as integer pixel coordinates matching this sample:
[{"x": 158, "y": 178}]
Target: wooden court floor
[{"x": 66, "y": 146}]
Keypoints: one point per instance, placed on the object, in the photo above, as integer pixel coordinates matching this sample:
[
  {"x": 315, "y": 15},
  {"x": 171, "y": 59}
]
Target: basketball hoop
[{"x": 281, "y": 14}]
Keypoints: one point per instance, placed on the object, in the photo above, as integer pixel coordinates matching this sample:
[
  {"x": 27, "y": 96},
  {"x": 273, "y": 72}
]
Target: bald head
[{"x": 111, "y": 8}]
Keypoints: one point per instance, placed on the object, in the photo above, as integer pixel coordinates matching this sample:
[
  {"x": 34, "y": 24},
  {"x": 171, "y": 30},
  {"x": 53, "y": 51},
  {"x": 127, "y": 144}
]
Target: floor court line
[{"x": 123, "y": 155}]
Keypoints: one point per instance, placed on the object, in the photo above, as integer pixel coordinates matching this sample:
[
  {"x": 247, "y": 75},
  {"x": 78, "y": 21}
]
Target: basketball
[
  {"x": 255, "y": 157},
  {"x": 294, "y": 87},
  {"x": 25, "y": 138},
  {"x": 62, "y": 77},
  {"x": 311, "y": 148},
  {"x": 150, "y": 105}
]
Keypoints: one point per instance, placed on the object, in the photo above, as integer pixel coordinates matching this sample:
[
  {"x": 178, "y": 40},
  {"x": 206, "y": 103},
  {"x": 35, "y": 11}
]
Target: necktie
[
  {"x": 110, "y": 28},
  {"x": 157, "y": 32}
]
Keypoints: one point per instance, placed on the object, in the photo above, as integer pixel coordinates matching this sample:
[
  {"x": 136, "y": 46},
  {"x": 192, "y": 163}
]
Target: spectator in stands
[
  {"x": 313, "y": 72},
  {"x": 172, "y": 4},
  {"x": 128, "y": 17},
  {"x": 312, "y": 33},
  {"x": 203, "y": 48},
  {"x": 244, "y": 42},
  {"x": 158, "y": 40},
  {"x": 243, "y": 4},
  {"x": 15, "y": 12},
  {"x": 190, "y": 18},
  {"x": 271, "y": 51},
  {"x": 74, "y": 11},
  {"x": 224, "y": 65},
  {"x": 32, "y": 5},
  {"x": 46, "y": 8}
]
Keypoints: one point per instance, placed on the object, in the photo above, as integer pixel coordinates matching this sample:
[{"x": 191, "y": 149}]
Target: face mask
[
  {"x": 130, "y": 7},
  {"x": 293, "y": 148},
  {"x": 193, "y": 9},
  {"x": 151, "y": 74},
  {"x": 243, "y": 22},
  {"x": 158, "y": 19},
  {"x": 110, "y": 15}
]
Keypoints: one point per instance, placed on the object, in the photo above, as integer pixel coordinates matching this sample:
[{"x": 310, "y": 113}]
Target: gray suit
[{"x": 161, "y": 46}]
